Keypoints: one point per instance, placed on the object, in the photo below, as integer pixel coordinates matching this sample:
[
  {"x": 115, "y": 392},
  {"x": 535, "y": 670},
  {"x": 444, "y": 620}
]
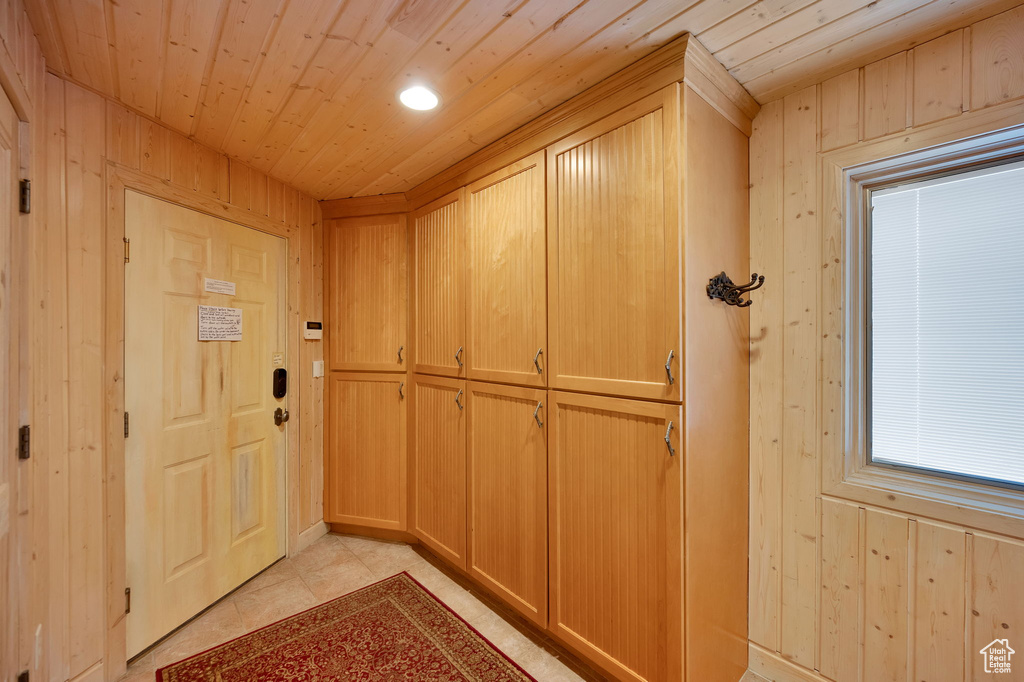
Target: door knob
[{"x": 280, "y": 416}]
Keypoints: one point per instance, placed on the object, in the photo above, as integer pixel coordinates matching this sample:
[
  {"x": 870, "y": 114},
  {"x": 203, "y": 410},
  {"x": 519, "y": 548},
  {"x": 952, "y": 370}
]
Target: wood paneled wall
[
  {"x": 84, "y": 134},
  {"x": 841, "y": 590},
  {"x": 22, "y": 74}
]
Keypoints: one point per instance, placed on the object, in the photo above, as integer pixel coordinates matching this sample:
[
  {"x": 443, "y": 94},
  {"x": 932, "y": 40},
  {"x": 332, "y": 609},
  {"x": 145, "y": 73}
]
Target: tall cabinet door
[
  {"x": 508, "y": 456},
  {"x": 507, "y": 277},
  {"x": 367, "y": 294},
  {"x": 439, "y": 466},
  {"x": 366, "y": 450},
  {"x": 614, "y": 505},
  {"x": 613, "y": 256},
  {"x": 439, "y": 297}
]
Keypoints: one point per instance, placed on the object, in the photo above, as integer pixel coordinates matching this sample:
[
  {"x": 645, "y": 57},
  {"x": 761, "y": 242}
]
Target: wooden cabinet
[
  {"x": 439, "y": 465},
  {"x": 508, "y": 494},
  {"x": 366, "y": 450},
  {"x": 615, "y": 519},
  {"x": 367, "y": 294},
  {"x": 613, "y": 254},
  {"x": 507, "y": 278},
  {"x": 439, "y": 298},
  {"x": 614, "y": 499}
]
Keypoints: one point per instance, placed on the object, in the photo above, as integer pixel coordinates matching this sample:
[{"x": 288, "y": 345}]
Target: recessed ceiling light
[{"x": 419, "y": 98}]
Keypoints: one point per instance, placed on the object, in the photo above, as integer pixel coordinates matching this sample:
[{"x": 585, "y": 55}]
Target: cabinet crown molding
[{"x": 682, "y": 60}]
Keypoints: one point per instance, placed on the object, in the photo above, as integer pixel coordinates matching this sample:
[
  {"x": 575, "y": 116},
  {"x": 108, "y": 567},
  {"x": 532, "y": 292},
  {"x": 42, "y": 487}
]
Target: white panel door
[{"x": 204, "y": 458}]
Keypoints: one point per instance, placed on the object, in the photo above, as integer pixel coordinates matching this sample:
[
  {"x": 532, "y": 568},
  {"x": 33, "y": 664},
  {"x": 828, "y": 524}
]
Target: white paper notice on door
[
  {"x": 220, "y": 324},
  {"x": 219, "y": 286}
]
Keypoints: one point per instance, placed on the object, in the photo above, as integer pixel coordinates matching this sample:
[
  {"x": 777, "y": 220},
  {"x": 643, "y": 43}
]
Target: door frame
[
  {"x": 119, "y": 179},
  {"x": 22, "y": 531}
]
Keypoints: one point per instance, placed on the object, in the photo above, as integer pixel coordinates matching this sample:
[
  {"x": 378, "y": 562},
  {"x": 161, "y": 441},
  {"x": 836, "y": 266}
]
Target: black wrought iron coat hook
[{"x": 721, "y": 287}]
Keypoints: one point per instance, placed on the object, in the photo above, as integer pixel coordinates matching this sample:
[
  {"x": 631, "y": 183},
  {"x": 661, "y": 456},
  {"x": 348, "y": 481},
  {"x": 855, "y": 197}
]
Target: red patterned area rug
[{"x": 392, "y": 631}]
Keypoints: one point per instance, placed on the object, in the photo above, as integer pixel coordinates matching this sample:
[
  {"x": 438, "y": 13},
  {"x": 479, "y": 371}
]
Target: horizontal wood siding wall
[{"x": 857, "y": 593}]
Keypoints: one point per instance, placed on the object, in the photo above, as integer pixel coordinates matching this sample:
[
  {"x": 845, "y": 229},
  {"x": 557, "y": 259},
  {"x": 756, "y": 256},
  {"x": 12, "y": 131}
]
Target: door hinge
[
  {"x": 24, "y": 442},
  {"x": 127, "y": 250},
  {"x": 25, "y": 196},
  {"x": 127, "y": 600},
  {"x": 23, "y": 676},
  {"x": 126, "y": 424}
]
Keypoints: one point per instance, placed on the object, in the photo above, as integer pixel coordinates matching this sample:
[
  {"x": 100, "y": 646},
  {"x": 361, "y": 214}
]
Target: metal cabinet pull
[
  {"x": 668, "y": 441},
  {"x": 536, "y": 357},
  {"x": 401, "y": 390},
  {"x": 536, "y": 414},
  {"x": 668, "y": 367},
  {"x": 458, "y": 357},
  {"x": 400, "y": 349},
  {"x": 457, "y": 396}
]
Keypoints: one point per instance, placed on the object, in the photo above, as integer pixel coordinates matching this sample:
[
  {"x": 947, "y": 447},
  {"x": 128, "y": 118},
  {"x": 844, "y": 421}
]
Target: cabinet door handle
[
  {"x": 668, "y": 367},
  {"x": 536, "y": 359},
  {"x": 400, "y": 349},
  {"x": 668, "y": 441},
  {"x": 536, "y": 414},
  {"x": 458, "y": 357},
  {"x": 401, "y": 390},
  {"x": 457, "y": 396}
]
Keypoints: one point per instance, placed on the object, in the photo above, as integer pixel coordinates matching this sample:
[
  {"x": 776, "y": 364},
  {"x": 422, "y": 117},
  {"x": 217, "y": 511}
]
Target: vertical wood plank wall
[
  {"x": 24, "y": 64},
  {"x": 840, "y": 590},
  {"x": 74, "y": 133}
]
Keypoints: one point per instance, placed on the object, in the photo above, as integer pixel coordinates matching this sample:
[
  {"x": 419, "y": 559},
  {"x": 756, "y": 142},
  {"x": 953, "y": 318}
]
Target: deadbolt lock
[{"x": 280, "y": 416}]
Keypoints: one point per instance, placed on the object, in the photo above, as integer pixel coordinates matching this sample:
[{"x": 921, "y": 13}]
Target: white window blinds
[{"x": 947, "y": 324}]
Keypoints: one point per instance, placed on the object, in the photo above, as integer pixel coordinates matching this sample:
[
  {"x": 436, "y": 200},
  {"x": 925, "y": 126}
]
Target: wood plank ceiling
[{"x": 305, "y": 90}]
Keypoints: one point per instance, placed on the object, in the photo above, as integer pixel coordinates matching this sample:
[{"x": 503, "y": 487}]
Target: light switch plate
[{"x": 318, "y": 369}]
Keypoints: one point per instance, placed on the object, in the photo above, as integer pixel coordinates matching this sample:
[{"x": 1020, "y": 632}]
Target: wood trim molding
[
  {"x": 664, "y": 67},
  {"x": 775, "y": 668},
  {"x": 375, "y": 533},
  {"x": 14, "y": 87},
  {"x": 380, "y": 204}
]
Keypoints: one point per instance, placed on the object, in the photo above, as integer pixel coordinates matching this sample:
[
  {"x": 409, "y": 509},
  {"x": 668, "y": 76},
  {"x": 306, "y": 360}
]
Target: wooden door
[
  {"x": 439, "y": 466},
  {"x": 204, "y": 459},
  {"x": 367, "y": 294},
  {"x": 508, "y": 477},
  {"x": 614, "y": 529},
  {"x": 439, "y": 317},
  {"x": 13, "y": 404},
  {"x": 613, "y": 255},
  {"x": 366, "y": 450},
  {"x": 507, "y": 275}
]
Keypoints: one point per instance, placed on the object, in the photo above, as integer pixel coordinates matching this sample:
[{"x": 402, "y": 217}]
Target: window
[{"x": 946, "y": 324}]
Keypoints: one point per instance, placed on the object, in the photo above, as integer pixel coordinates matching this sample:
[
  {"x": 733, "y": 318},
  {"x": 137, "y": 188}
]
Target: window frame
[
  {"x": 866, "y": 229},
  {"x": 847, "y": 177}
]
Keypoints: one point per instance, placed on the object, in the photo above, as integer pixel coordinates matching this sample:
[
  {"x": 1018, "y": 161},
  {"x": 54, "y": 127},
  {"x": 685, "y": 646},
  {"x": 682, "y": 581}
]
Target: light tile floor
[{"x": 332, "y": 566}]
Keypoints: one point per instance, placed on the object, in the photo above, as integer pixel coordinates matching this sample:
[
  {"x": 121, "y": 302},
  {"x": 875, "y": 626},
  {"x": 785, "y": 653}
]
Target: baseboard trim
[
  {"x": 775, "y": 668},
  {"x": 309, "y": 536},
  {"x": 375, "y": 533}
]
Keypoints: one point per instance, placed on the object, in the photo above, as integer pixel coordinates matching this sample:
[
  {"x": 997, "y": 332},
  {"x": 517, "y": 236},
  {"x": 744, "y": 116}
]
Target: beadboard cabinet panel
[
  {"x": 367, "y": 294},
  {"x": 366, "y": 451},
  {"x": 613, "y": 256},
  {"x": 440, "y": 295},
  {"x": 614, "y": 500},
  {"x": 507, "y": 278},
  {"x": 508, "y": 453},
  {"x": 439, "y": 466}
]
